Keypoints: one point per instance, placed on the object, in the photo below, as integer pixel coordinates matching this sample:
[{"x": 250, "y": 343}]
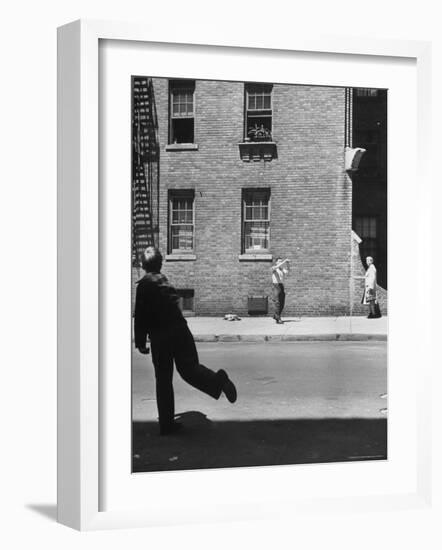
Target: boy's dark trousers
[
  {"x": 278, "y": 299},
  {"x": 177, "y": 344}
]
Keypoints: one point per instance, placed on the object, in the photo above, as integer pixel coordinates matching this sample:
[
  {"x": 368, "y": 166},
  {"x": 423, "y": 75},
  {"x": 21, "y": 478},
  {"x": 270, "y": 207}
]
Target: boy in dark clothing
[{"x": 158, "y": 315}]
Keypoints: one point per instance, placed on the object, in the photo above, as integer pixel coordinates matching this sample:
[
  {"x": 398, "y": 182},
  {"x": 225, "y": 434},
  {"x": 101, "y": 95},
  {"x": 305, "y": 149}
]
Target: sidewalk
[{"x": 255, "y": 329}]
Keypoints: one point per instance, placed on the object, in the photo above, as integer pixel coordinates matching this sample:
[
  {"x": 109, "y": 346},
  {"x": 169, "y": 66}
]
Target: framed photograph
[{"x": 243, "y": 214}]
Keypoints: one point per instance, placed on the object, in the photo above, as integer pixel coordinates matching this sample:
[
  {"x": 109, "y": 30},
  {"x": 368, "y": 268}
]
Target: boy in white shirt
[{"x": 279, "y": 272}]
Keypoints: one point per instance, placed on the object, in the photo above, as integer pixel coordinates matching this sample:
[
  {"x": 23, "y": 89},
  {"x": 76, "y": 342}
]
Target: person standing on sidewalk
[
  {"x": 158, "y": 315},
  {"x": 279, "y": 272},
  {"x": 370, "y": 291}
]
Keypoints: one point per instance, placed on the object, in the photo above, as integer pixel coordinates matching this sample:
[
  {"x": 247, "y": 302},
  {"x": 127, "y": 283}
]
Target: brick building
[{"x": 228, "y": 175}]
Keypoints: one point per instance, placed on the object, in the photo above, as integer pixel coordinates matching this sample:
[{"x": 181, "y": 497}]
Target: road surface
[{"x": 298, "y": 402}]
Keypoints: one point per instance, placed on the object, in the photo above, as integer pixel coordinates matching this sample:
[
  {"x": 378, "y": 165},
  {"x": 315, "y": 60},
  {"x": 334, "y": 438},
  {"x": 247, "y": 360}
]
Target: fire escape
[{"x": 145, "y": 168}]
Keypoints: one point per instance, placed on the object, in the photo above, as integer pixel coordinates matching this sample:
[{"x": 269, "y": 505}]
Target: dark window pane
[
  {"x": 259, "y": 127},
  {"x": 366, "y": 92},
  {"x": 182, "y": 130},
  {"x": 186, "y": 296}
]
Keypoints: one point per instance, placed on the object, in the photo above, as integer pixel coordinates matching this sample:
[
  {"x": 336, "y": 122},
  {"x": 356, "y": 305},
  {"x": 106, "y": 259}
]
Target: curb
[{"x": 341, "y": 337}]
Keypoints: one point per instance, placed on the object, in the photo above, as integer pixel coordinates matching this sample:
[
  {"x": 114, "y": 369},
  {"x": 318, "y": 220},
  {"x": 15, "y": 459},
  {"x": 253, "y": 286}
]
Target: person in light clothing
[
  {"x": 370, "y": 291},
  {"x": 279, "y": 272}
]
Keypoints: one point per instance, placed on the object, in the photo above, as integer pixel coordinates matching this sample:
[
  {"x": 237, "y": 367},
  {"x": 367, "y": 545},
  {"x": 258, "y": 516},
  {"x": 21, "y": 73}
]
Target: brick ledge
[
  {"x": 180, "y": 257},
  {"x": 255, "y": 257}
]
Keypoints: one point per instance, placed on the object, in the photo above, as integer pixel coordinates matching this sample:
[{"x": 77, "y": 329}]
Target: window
[
  {"x": 366, "y": 92},
  {"x": 366, "y": 229},
  {"x": 182, "y": 111},
  {"x": 181, "y": 221},
  {"x": 186, "y": 296},
  {"x": 258, "y": 125},
  {"x": 256, "y": 220}
]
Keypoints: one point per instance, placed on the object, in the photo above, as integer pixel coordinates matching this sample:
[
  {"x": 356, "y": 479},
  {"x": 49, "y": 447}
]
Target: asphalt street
[{"x": 298, "y": 402}]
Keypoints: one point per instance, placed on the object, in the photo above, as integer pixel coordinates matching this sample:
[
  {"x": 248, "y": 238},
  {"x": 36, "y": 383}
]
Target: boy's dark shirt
[{"x": 156, "y": 307}]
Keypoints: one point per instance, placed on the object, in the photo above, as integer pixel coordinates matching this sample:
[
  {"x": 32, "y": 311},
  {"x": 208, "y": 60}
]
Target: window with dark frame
[
  {"x": 366, "y": 92},
  {"x": 186, "y": 298},
  {"x": 258, "y": 116},
  {"x": 181, "y": 221},
  {"x": 366, "y": 228},
  {"x": 182, "y": 111},
  {"x": 256, "y": 221}
]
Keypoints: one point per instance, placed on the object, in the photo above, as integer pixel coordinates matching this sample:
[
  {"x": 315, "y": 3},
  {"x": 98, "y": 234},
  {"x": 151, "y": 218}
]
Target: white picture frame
[{"x": 79, "y": 366}]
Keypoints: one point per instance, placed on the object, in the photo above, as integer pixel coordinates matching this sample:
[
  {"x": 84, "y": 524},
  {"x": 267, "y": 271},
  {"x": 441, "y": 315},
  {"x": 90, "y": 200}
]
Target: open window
[
  {"x": 258, "y": 115},
  {"x": 182, "y": 111}
]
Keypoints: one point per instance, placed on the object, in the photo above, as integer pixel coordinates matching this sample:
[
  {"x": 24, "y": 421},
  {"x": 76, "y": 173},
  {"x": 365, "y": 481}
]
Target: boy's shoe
[{"x": 227, "y": 386}]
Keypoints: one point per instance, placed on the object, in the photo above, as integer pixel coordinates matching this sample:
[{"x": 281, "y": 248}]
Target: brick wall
[{"x": 311, "y": 198}]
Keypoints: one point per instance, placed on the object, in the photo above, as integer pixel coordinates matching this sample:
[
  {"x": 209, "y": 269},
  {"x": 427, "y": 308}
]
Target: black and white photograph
[
  {"x": 259, "y": 274},
  {"x": 220, "y": 224}
]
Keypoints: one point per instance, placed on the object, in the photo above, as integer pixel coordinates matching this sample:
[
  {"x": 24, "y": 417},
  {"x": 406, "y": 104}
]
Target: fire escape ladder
[{"x": 145, "y": 168}]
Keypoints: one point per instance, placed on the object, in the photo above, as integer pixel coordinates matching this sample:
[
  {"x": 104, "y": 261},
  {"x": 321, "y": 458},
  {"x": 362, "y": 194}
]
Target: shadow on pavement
[{"x": 223, "y": 444}]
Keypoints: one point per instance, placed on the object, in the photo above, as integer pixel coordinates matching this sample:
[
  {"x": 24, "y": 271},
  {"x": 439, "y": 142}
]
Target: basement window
[{"x": 186, "y": 299}]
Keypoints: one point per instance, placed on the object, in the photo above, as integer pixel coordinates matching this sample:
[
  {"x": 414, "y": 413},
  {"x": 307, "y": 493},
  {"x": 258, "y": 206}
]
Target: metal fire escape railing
[
  {"x": 348, "y": 117},
  {"x": 145, "y": 168}
]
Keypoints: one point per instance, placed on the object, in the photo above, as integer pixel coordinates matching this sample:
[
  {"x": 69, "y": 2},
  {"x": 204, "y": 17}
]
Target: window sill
[
  {"x": 182, "y": 147},
  {"x": 255, "y": 257},
  {"x": 180, "y": 257}
]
